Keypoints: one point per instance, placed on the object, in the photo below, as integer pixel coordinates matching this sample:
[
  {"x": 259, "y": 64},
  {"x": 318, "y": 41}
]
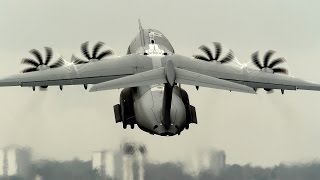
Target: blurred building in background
[
  {"x": 212, "y": 160},
  {"x": 103, "y": 163},
  {"x": 134, "y": 159},
  {"x": 38, "y": 177},
  {"x": 126, "y": 164},
  {"x": 15, "y": 161},
  {"x": 2, "y": 155}
]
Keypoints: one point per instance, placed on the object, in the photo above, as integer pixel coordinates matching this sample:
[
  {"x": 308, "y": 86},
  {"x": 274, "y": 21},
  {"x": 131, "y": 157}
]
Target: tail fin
[
  {"x": 140, "y": 26},
  {"x": 147, "y": 78},
  {"x": 141, "y": 33}
]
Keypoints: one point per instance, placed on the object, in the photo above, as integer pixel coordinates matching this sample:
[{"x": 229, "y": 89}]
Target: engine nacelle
[
  {"x": 124, "y": 112},
  {"x": 191, "y": 116}
]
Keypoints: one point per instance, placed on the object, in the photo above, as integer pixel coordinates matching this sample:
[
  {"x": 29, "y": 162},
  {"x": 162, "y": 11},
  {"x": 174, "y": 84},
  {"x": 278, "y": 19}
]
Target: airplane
[{"x": 150, "y": 76}]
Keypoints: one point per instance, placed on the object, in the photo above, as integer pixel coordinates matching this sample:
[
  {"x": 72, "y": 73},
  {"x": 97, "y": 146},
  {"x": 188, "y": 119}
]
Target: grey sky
[{"x": 261, "y": 129}]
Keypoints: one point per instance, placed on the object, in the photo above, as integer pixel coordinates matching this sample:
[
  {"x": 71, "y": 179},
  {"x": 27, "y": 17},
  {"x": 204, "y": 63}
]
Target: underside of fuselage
[{"x": 144, "y": 106}]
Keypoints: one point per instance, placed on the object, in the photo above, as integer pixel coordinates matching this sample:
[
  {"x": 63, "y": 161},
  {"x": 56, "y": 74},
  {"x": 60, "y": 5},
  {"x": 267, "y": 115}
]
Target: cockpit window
[{"x": 151, "y": 37}]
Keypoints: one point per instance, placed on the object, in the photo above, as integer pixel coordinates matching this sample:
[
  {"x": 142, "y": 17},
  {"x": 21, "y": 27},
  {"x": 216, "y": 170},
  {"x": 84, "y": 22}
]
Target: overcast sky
[{"x": 259, "y": 129}]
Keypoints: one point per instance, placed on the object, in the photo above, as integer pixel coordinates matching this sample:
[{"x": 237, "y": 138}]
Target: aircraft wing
[
  {"x": 245, "y": 76},
  {"x": 187, "y": 70},
  {"x": 90, "y": 73}
]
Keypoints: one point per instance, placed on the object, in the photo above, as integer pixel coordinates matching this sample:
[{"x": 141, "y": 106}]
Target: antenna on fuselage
[{"x": 141, "y": 34}]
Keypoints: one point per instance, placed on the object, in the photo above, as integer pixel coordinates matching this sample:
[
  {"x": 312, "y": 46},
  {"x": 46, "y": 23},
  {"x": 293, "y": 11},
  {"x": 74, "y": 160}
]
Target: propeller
[
  {"x": 40, "y": 63},
  {"x": 269, "y": 65},
  {"x": 94, "y": 55},
  {"x": 210, "y": 57}
]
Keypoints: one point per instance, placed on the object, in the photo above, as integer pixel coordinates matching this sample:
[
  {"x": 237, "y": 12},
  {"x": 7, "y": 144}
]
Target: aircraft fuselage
[{"x": 161, "y": 109}]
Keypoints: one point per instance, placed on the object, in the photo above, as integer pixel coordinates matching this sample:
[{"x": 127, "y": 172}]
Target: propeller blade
[
  {"x": 276, "y": 62},
  {"x": 207, "y": 51},
  {"x": 280, "y": 70},
  {"x": 76, "y": 60},
  {"x": 31, "y": 69},
  {"x": 255, "y": 60},
  {"x": 201, "y": 57},
  {"x": 104, "y": 54},
  {"x": 96, "y": 49},
  {"x": 267, "y": 58},
  {"x": 60, "y": 62},
  {"x": 37, "y": 55},
  {"x": 29, "y": 62},
  {"x": 85, "y": 50},
  {"x": 218, "y": 48},
  {"x": 49, "y": 55},
  {"x": 228, "y": 58}
]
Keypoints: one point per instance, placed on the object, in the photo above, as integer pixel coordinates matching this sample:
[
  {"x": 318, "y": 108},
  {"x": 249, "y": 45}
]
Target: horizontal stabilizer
[
  {"x": 196, "y": 79},
  {"x": 155, "y": 76}
]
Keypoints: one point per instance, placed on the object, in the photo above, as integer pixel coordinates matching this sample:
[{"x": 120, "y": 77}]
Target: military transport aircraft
[{"x": 151, "y": 75}]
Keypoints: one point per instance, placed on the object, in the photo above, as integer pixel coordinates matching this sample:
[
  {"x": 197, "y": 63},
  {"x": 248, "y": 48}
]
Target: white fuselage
[
  {"x": 148, "y": 107},
  {"x": 148, "y": 102}
]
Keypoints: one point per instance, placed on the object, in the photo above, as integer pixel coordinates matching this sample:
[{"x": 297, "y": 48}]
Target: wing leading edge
[{"x": 90, "y": 73}]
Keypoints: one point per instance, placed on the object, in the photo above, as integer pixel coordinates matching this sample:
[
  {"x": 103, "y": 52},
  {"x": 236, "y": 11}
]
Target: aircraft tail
[
  {"x": 147, "y": 78},
  {"x": 140, "y": 26},
  {"x": 141, "y": 33},
  {"x": 163, "y": 75}
]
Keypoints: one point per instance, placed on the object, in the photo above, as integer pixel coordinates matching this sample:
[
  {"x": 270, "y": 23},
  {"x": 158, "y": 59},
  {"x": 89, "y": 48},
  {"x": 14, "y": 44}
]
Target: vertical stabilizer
[
  {"x": 140, "y": 26},
  {"x": 141, "y": 33}
]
